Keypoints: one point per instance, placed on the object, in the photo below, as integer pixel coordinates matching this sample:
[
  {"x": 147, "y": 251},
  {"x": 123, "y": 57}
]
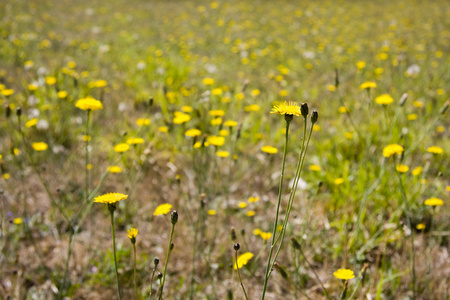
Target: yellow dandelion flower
[
  {"x": 181, "y": 118},
  {"x": 255, "y": 92},
  {"x": 421, "y": 226},
  {"x": 257, "y": 231},
  {"x": 338, "y": 181},
  {"x": 40, "y": 146},
  {"x": 217, "y": 91},
  {"x": 186, "y": 109},
  {"x": 240, "y": 96},
  {"x": 411, "y": 117},
  {"x": 253, "y": 199},
  {"x": 132, "y": 233},
  {"x": 265, "y": 235},
  {"x": 314, "y": 168},
  {"x": 344, "y": 274},
  {"x": 6, "y": 176},
  {"x": 342, "y": 109},
  {"x": 62, "y": 94},
  {"x": 115, "y": 169},
  {"x": 217, "y": 113},
  {"x": 250, "y": 213},
  {"x": 50, "y": 80},
  {"x": 316, "y": 127},
  {"x": 7, "y": 92},
  {"x": 269, "y": 149},
  {"x": 18, "y": 221},
  {"x": 216, "y": 121},
  {"x": 32, "y": 87},
  {"x": 230, "y": 123},
  {"x": 192, "y": 132},
  {"x": 384, "y": 99},
  {"x": 392, "y": 149},
  {"x": 163, "y": 129},
  {"x": 122, "y": 147},
  {"x": 88, "y": 103},
  {"x": 435, "y": 150},
  {"x": 162, "y": 209},
  {"x": 447, "y": 188},
  {"x": 197, "y": 145},
  {"x": 135, "y": 141},
  {"x": 418, "y": 104},
  {"x": 242, "y": 260},
  {"x": 224, "y": 132},
  {"x": 110, "y": 198},
  {"x": 216, "y": 140},
  {"x": 286, "y": 108},
  {"x": 331, "y": 87},
  {"x": 417, "y": 171},
  {"x": 208, "y": 81},
  {"x": 402, "y": 168},
  {"x": 242, "y": 205},
  {"x": 89, "y": 166},
  {"x": 222, "y": 153},
  {"x": 31, "y": 123},
  {"x": 368, "y": 85},
  {"x": 212, "y": 212},
  {"x": 440, "y": 129},
  {"x": 250, "y": 108},
  {"x": 142, "y": 122},
  {"x": 434, "y": 202},
  {"x": 360, "y": 65}
]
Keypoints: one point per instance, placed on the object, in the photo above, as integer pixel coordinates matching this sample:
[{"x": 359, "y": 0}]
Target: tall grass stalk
[
  {"x": 112, "y": 208},
  {"x": 174, "y": 219}
]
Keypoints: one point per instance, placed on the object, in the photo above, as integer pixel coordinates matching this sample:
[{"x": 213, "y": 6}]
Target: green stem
[
  {"x": 408, "y": 220},
  {"x": 167, "y": 261},
  {"x": 272, "y": 245},
  {"x": 239, "y": 275},
  {"x": 134, "y": 273},
  {"x": 86, "y": 180},
  {"x": 114, "y": 250}
]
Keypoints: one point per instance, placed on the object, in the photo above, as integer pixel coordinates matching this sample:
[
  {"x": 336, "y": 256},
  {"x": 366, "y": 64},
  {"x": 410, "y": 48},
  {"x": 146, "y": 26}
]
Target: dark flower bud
[
  {"x": 174, "y": 217},
  {"x": 156, "y": 261},
  {"x": 7, "y": 111},
  {"x": 304, "y": 109},
  {"x": 336, "y": 78},
  {"x": 243, "y": 231},
  {"x": 295, "y": 244},
  {"x": 112, "y": 207},
  {"x": 237, "y": 247},
  {"x": 314, "y": 116},
  {"x": 233, "y": 234},
  {"x": 281, "y": 270},
  {"x": 19, "y": 111},
  {"x": 150, "y": 102},
  {"x": 171, "y": 246},
  {"x": 159, "y": 275}
]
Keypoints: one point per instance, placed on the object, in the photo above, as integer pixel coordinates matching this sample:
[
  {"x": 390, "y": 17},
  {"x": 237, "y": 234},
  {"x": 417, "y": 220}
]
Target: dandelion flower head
[
  {"x": 434, "y": 202},
  {"x": 344, "y": 274},
  {"x": 392, "y": 149},
  {"x": 286, "y": 108},
  {"x": 162, "y": 209},
  {"x": 242, "y": 260},
  {"x": 110, "y": 198},
  {"x": 132, "y": 233},
  {"x": 88, "y": 103}
]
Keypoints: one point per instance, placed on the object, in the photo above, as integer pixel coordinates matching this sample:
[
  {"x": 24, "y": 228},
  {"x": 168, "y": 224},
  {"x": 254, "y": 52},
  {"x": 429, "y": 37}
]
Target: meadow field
[{"x": 224, "y": 149}]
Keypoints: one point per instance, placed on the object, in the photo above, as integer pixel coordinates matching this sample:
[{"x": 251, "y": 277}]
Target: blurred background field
[{"x": 161, "y": 68}]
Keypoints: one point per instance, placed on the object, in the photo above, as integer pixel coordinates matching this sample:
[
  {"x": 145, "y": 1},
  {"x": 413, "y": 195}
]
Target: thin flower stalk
[
  {"x": 112, "y": 207},
  {"x": 236, "y": 248},
  {"x": 174, "y": 219}
]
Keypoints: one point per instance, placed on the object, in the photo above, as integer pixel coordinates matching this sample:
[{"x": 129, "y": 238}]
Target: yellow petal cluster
[
  {"x": 242, "y": 260},
  {"x": 162, "y": 209},
  {"x": 344, "y": 274},
  {"x": 88, "y": 103},
  {"x": 286, "y": 108},
  {"x": 110, "y": 198},
  {"x": 392, "y": 149}
]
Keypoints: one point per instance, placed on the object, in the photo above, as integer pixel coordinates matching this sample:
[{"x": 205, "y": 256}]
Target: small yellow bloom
[
  {"x": 115, "y": 169},
  {"x": 86, "y": 138},
  {"x": 7, "y": 92},
  {"x": 418, "y": 104},
  {"x": 18, "y": 221},
  {"x": 216, "y": 121},
  {"x": 6, "y": 176},
  {"x": 31, "y": 123},
  {"x": 331, "y": 87},
  {"x": 32, "y": 87},
  {"x": 253, "y": 107},
  {"x": 421, "y": 226},
  {"x": 197, "y": 145},
  {"x": 368, "y": 85},
  {"x": 257, "y": 231},
  {"x": 338, "y": 181},
  {"x": 265, "y": 235},
  {"x": 192, "y": 132},
  {"x": 342, "y": 109},
  {"x": 440, "y": 129},
  {"x": 230, "y": 123},
  {"x": 435, "y": 150},
  {"x": 255, "y": 92},
  {"x": 434, "y": 202},
  {"x": 384, "y": 99},
  {"x": 89, "y": 166},
  {"x": 216, "y": 140},
  {"x": 208, "y": 81},
  {"x": 242, "y": 205},
  {"x": 62, "y": 94},
  {"x": 212, "y": 212},
  {"x": 181, "y": 118},
  {"x": 186, "y": 109},
  {"x": 40, "y": 146},
  {"x": 250, "y": 213},
  {"x": 402, "y": 168},
  {"x": 417, "y": 171},
  {"x": 411, "y": 117},
  {"x": 360, "y": 65},
  {"x": 163, "y": 129},
  {"x": 314, "y": 168},
  {"x": 217, "y": 113},
  {"x": 135, "y": 141},
  {"x": 50, "y": 80},
  {"x": 316, "y": 127},
  {"x": 392, "y": 149},
  {"x": 344, "y": 274},
  {"x": 110, "y": 198},
  {"x": 242, "y": 260},
  {"x": 253, "y": 199},
  {"x": 222, "y": 153},
  {"x": 88, "y": 103},
  {"x": 122, "y": 147},
  {"x": 224, "y": 132},
  {"x": 162, "y": 209},
  {"x": 269, "y": 149},
  {"x": 142, "y": 122},
  {"x": 217, "y": 91},
  {"x": 286, "y": 108},
  {"x": 132, "y": 233}
]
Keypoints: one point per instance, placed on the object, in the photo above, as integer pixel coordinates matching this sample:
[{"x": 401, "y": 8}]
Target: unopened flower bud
[
  {"x": 174, "y": 217},
  {"x": 156, "y": 261},
  {"x": 7, "y": 111},
  {"x": 233, "y": 234},
  {"x": 19, "y": 111},
  {"x": 237, "y": 247},
  {"x": 304, "y": 109},
  {"x": 314, "y": 116},
  {"x": 159, "y": 275},
  {"x": 295, "y": 244},
  {"x": 171, "y": 246}
]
